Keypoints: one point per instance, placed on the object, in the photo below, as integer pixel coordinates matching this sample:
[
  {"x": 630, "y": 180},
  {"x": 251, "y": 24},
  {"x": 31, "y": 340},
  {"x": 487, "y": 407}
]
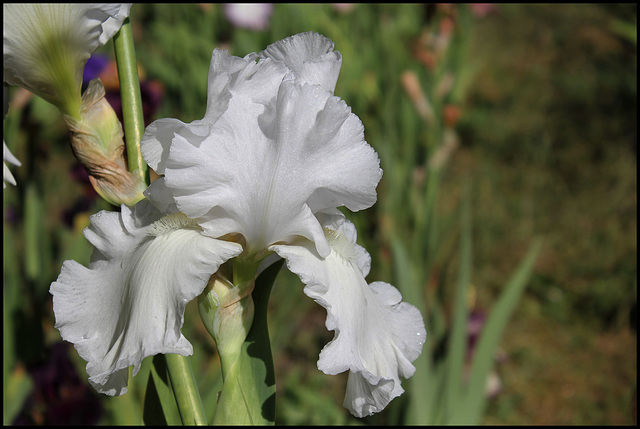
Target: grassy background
[
  {"x": 552, "y": 142},
  {"x": 546, "y": 144}
]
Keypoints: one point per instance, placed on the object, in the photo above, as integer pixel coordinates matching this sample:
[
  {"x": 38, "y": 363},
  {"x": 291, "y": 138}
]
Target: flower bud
[
  {"x": 227, "y": 312},
  {"x": 97, "y": 142}
]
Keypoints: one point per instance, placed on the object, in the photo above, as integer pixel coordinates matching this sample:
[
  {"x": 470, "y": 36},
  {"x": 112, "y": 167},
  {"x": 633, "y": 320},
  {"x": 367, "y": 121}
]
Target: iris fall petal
[
  {"x": 129, "y": 303},
  {"x": 377, "y": 336}
]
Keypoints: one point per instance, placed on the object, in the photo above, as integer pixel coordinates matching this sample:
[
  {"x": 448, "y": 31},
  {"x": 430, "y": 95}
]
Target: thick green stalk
[
  {"x": 131, "y": 98},
  {"x": 185, "y": 390}
]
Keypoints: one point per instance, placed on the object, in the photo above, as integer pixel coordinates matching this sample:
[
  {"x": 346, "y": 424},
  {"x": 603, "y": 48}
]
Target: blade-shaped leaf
[
  {"x": 458, "y": 339},
  {"x": 17, "y": 388},
  {"x": 473, "y": 408},
  {"x": 159, "y": 403}
]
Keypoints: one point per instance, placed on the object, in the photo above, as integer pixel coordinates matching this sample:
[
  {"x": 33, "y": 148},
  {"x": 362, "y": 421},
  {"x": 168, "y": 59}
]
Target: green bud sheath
[
  {"x": 97, "y": 142},
  {"x": 227, "y": 313},
  {"x": 235, "y": 315}
]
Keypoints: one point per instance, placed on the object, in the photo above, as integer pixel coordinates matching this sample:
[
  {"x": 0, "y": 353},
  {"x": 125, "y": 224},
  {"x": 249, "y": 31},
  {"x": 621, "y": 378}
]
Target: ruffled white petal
[
  {"x": 160, "y": 196},
  {"x": 377, "y": 336},
  {"x": 228, "y": 76},
  {"x": 111, "y": 25},
  {"x": 39, "y": 39},
  {"x": 266, "y": 180},
  {"x": 157, "y": 138},
  {"x": 271, "y": 150},
  {"x": 7, "y": 156},
  {"x": 311, "y": 58},
  {"x": 129, "y": 303}
]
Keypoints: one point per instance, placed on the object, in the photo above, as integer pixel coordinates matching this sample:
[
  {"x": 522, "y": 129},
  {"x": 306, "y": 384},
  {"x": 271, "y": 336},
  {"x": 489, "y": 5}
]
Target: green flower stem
[
  {"x": 244, "y": 274},
  {"x": 185, "y": 390},
  {"x": 131, "y": 98}
]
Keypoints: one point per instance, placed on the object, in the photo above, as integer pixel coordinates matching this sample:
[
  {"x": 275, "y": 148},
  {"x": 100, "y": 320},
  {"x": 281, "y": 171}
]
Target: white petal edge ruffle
[
  {"x": 377, "y": 336},
  {"x": 111, "y": 25},
  {"x": 129, "y": 303},
  {"x": 311, "y": 58},
  {"x": 228, "y": 76}
]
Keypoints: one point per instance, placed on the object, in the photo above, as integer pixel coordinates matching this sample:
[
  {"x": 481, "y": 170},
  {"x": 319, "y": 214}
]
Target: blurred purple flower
[
  {"x": 151, "y": 92},
  {"x": 95, "y": 65},
  {"x": 79, "y": 174},
  {"x": 475, "y": 323},
  {"x": 59, "y": 396},
  {"x": 11, "y": 216},
  {"x": 254, "y": 16}
]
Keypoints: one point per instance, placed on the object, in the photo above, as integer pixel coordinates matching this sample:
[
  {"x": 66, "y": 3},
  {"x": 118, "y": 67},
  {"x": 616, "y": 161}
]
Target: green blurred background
[{"x": 525, "y": 112}]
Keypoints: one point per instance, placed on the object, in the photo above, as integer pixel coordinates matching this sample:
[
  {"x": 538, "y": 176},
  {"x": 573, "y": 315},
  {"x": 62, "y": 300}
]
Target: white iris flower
[
  {"x": 45, "y": 46},
  {"x": 262, "y": 173}
]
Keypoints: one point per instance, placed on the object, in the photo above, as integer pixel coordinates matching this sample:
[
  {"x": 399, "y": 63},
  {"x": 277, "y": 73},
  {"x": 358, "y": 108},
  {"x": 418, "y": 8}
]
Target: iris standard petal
[
  {"x": 377, "y": 336},
  {"x": 266, "y": 182},
  {"x": 311, "y": 58},
  {"x": 256, "y": 78},
  {"x": 157, "y": 139},
  {"x": 228, "y": 75},
  {"x": 308, "y": 56},
  {"x": 129, "y": 303},
  {"x": 270, "y": 151}
]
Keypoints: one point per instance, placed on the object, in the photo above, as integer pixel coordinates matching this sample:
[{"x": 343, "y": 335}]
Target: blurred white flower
[
  {"x": 8, "y": 157},
  {"x": 263, "y": 172},
  {"x": 254, "y": 16},
  {"x": 47, "y": 45}
]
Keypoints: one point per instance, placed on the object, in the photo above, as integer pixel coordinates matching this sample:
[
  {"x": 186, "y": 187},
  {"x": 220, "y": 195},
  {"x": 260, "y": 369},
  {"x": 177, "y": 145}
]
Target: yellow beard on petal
[
  {"x": 172, "y": 222},
  {"x": 340, "y": 245}
]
